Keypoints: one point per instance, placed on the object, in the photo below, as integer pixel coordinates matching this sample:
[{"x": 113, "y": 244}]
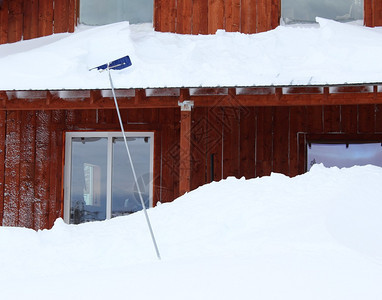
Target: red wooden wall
[
  {"x": 244, "y": 141},
  {"x": 27, "y": 19},
  {"x": 31, "y": 158},
  {"x": 207, "y": 16},
  {"x": 373, "y": 13},
  {"x": 255, "y": 141}
]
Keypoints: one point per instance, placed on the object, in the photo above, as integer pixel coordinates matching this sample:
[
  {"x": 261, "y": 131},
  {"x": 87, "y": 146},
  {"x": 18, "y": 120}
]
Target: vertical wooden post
[
  {"x": 4, "y": 22},
  {"x": 185, "y": 146},
  {"x": 15, "y": 21},
  {"x": 3, "y": 116}
]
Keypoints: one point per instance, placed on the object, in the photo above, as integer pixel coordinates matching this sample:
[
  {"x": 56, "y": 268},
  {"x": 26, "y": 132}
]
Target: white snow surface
[
  {"x": 329, "y": 53},
  {"x": 314, "y": 236}
]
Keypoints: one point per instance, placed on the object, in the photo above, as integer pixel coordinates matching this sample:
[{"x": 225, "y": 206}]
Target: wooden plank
[
  {"x": 185, "y": 152},
  {"x": 247, "y": 142},
  {"x": 167, "y": 16},
  {"x": 214, "y": 143},
  {"x": 200, "y": 17},
  {"x": 264, "y": 140},
  {"x": 281, "y": 140},
  {"x": 12, "y": 169},
  {"x": 72, "y": 15},
  {"x": 366, "y": 118},
  {"x": 157, "y": 189},
  {"x": 198, "y": 147},
  {"x": 349, "y": 116},
  {"x": 377, "y": 13},
  {"x": 169, "y": 154},
  {"x": 15, "y": 20},
  {"x": 3, "y": 116},
  {"x": 275, "y": 13},
  {"x": 56, "y": 167},
  {"x": 30, "y": 24},
  {"x": 184, "y": 17},
  {"x": 297, "y": 125},
  {"x": 42, "y": 170},
  {"x": 231, "y": 141},
  {"x": 314, "y": 119},
  {"x": 263, "y": 15},
  {"x": 60, "y": 15},
  {"x": 27, "y": 156},
  {"x": 368, "y": 13},
  {"x": 157, "y": 15},
  {"x": 378, "y": 118},
  {"x": 215, "y": 15},
  {"x": 4, "y": 22},
  {"x": 232, "y": 15},
  {"x": 332, "y": 118},
  {"x": 249, "y": 16},
  {"x": 45, "y": 22},
  {"x": 267, "y": 99}
]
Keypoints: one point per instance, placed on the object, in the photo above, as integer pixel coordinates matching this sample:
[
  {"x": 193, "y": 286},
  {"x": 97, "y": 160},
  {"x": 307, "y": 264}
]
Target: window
[
  {"x": 303, "y": 11},
  {"x": 101, "y": 12},
  {"x": 99, "y": 182},
  {"x": 344, "y": 155}
]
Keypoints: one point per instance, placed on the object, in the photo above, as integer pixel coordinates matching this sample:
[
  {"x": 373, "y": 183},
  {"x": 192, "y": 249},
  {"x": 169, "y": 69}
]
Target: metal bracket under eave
[{"x": 186, "y": 105}]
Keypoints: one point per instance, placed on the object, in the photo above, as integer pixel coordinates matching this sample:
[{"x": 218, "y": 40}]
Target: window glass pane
[
  {"x": 88, "y": 180},
  {"x": 125, "y": 197},
  {"x": 101, "y": 12},
  {"x": 342, "y": 155},
  {"x": 307, "y": 10}
]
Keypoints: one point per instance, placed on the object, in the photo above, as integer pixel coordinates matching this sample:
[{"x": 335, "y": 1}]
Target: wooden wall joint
[
  {"x": 375, "y": 92},
  {"x": 49, "y": 98},
  {"x": 140, "y": 96},
  {"x": 326, "y": 93},
  {"x": 279, "y": 94},
  {"x": 185, "y": 152},
  {"x": 184, "y": 94},
  {"x": 3, "y": 98},
  {"x": 95, "y": 96}
]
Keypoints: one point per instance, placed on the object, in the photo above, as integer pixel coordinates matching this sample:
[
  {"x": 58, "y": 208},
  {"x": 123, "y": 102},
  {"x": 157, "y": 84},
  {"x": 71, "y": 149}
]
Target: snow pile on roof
[
  {"x": 315, "y": 236},
  {"x": 329, "y": 53}
]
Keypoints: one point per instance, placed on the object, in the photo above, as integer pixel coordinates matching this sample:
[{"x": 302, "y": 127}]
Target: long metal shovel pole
[{"x": 133, "y": 169}]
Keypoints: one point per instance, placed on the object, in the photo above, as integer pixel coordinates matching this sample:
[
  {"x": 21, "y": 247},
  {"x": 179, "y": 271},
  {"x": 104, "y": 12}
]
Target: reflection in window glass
[
  {"x": 88, "y": 179},
  {"x": 99, "y": 182},
  {"x": 125, "y": 197},
  {"x": 343, "y": 155},
  {"x": 101, "y": 12},
  {"x": 302, "y": 11}
]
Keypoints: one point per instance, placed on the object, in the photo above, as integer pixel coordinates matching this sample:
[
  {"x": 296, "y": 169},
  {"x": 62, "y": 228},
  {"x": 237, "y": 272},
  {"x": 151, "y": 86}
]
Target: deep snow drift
[
  {"x": 314, "y": 236},
  {"x": 327, "y": 53}
]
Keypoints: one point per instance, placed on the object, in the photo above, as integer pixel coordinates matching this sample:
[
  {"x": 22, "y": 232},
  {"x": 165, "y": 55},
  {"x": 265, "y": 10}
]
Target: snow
[
  {"x": 329, "y": 53},
  {"x": 314, "y": 236}
]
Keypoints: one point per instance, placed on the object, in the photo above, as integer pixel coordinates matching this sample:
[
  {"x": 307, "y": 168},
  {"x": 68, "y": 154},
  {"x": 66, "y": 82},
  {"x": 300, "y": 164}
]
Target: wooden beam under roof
[{"x": 202, "y": 97}]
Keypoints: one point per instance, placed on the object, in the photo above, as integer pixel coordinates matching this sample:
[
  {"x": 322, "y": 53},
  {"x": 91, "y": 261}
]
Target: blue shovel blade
[{"x": 118, "y": 64}]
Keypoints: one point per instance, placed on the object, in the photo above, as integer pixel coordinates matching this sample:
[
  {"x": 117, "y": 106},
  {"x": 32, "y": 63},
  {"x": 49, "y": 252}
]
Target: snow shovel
[{"x": 119, "y": 64}]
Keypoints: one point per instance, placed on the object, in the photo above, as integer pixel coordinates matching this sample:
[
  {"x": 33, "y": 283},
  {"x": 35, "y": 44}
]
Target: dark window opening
[{"x": 344, "y": 154}]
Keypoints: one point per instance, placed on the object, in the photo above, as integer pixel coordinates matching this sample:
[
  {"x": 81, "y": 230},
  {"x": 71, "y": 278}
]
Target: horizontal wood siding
[
  {"x": 28, "y": 19},
  {"x": 207, "y": 16}
]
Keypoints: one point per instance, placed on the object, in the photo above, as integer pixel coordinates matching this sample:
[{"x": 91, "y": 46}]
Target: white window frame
[{"x": 109, "y": 135}]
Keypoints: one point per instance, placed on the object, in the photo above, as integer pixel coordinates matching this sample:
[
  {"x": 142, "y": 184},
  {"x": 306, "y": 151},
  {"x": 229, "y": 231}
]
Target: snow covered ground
[
  {"x": 314, "y": 236},
  {"x": 326, "y": 53}
]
